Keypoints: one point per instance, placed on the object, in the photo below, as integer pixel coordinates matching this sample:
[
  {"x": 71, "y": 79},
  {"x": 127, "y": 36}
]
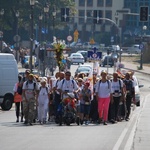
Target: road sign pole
[{"x": 141, "y": 61}]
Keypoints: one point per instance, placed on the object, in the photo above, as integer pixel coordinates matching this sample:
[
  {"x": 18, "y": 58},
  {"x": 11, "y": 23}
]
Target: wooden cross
[{"x": 58, "y": 59}]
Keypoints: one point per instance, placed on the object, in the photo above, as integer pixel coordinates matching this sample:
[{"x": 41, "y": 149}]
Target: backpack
[
  {"x": 119, "y": 83},
  {"x": 64, "y": 81},
  {"x": 129, "y": 86},
  {"x": 100, "y": 83},
  {"x": 19, "y": 89},
  {"x": 34, "y": 84},
  {"x": 46, "y": 89}
]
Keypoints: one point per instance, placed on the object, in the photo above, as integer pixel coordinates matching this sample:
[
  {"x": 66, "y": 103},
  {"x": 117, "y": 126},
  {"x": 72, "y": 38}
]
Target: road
[{"x": 92, "y": 137}]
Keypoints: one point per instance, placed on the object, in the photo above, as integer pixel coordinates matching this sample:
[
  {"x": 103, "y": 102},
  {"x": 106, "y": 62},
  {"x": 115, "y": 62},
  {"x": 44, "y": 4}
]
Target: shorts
[{"x": 85, "y": 109}]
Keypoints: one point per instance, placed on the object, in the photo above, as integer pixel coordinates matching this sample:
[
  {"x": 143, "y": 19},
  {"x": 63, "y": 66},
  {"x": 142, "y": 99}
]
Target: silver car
[{"x": 76, "y": 58}]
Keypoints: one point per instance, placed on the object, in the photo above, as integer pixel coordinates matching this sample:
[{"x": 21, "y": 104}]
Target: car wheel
[
  {"x": 138, "y": 104},
  {"x": 7, "y": 103}
]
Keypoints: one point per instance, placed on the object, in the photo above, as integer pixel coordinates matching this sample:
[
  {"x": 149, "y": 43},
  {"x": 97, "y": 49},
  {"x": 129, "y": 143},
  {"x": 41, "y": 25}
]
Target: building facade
[
  {"x": 133, "y": 26},
  {"x": 127, "y": 25},
  {"x": 83, "y": 20}
]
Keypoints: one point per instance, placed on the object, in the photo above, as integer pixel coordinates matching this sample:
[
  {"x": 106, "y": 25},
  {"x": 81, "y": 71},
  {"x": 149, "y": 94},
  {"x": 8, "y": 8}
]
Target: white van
[{"x": 8, "y": 78}]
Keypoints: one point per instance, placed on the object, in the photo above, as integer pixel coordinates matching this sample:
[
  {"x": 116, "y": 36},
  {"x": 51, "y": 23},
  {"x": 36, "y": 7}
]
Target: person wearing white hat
[{"x": 43, "y": 101}]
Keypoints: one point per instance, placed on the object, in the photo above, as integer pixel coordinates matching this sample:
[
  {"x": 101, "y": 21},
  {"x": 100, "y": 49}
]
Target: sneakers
[
  {"x": 81, "y": 122},
  {"x": 21, "y": 119},
  {"x": 105, "y": 123},
  {"x": 17, "y": 120},
  {"x": 25, "y": 122},
  {"x": 99, "y": 121},
  {"x": 127, "y": 118},
  {"x": 113, "y": 121}
]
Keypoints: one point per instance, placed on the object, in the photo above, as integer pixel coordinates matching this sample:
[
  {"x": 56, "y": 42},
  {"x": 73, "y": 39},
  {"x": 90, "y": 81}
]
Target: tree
[{"x": 9, "y": 20}]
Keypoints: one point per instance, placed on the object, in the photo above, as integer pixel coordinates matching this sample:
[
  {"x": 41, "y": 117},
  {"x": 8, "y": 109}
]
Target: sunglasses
[{"x": 68, "y": 75}]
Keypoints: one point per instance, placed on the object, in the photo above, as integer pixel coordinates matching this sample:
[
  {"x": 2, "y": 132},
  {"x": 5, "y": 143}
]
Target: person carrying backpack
[
  {"x": 67, "y": 85},
  {"x": 85, "y": 103},
  {"x": 130, "y": 93},
  {"x": 43, "y": 101},
  {"x": 103, "y": 95},
  {"x": 18, "y": 98},
  {"x": 118, "y": 95},
  {"x": 30, "y": 94}
]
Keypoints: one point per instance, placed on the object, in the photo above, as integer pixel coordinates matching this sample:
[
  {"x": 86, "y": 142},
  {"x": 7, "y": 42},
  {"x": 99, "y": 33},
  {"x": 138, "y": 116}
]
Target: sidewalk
[
  {"x": 134, "y": 67},
  {"x": 142, "y": 133}
]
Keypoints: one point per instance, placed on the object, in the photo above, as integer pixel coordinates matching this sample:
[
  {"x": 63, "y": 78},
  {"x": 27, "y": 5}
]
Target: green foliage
[{"x": 8, "y": 22}]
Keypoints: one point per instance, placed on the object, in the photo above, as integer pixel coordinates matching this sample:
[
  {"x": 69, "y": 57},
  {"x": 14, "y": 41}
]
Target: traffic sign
[
  {"x": 94, "y": 55},
  {"x": 69, "y": 38},
  {"x": 141, "y": 46}
]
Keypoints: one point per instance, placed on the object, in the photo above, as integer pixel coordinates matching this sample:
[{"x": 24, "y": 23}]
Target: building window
[
  {"x": 108, "y": 14},
  {"x": 108, "y": 3},
  {"x": 81, "y": 16},
  {"x": 81, "y": 2},
  {"x": 100, "y": 3},
  {"x": 89, "y": 16},
  {"x": 90, "y": 3}
]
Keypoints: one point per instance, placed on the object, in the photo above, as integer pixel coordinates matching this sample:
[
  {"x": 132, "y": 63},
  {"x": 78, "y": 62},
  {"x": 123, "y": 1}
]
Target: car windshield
[
  {"x": 83, "y": 69},
  {"x": 76, "y": 55}
]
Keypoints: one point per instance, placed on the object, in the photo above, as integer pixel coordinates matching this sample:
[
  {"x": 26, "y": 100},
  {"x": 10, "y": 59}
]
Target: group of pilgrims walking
[{"x": 100, "y": 99}]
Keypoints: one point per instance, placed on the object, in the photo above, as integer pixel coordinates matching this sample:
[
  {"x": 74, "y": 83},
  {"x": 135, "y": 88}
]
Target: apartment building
[
  {"x": 133, "y": 25},
  {"x": 83, "y": 20}
]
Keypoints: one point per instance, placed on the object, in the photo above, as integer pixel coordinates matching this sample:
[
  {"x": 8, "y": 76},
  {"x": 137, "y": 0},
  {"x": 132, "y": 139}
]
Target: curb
[{"x": 137, "y": 71}]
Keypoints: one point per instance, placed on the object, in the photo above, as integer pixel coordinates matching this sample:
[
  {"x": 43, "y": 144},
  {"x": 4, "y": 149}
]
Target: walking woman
[
  {"x": 18, "y": 98},
  {"x": 103, "y": 95},
  {"x": 43, "y": 101}
]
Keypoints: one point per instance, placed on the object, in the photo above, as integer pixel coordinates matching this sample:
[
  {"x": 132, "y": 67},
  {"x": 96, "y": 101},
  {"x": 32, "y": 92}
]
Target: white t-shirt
[
  {"x": 43, "y": 95},
  {"x": 115, "y": 88},
  {"x": 67, "y": 86},
  {"x": 15, "y": 87},
  {"x": 103, "y": 89}
]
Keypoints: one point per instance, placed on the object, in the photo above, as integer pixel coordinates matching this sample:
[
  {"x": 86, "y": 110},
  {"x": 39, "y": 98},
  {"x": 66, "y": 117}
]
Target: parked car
[
  {"x": 84, "y": 54},
  {"x": 134, "y": 49},
  {"x": 115, "y": 56},
  {"x": 76, "y": 58},
  {"x": 137, "y": 90},
  {"x": 83, "y": 69},
  {"x": 107, "y": 60}
]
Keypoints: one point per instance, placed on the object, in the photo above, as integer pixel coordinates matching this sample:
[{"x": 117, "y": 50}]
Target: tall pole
[
  {"x": 141, "y": 56},
  {"x": 44, "y": 61},
  {"x": 40, "y": 28},
  {"x": 17, "y": 41},
  {"x": 31, "y": 39},
  {"x": 46, "y": 10},
  {"x": 54, "y": 16},
  {"x": 1, "y": 33}
]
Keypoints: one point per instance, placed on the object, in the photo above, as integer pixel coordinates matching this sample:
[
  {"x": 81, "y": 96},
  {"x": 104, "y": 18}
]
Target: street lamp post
[
  {"x": 40, "y": 28},
  {"x": 141, "y": 57},
  {"x": 120, "y": 52},
  {"x": 46, "y": 10},
  {"x": 116, "y": 18},
  {"x": 32, "y": 3},
  {"x": 1, "y": 33},
  {"x": 17, "y": 44},
  {"x": 54, "y": 17}
]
